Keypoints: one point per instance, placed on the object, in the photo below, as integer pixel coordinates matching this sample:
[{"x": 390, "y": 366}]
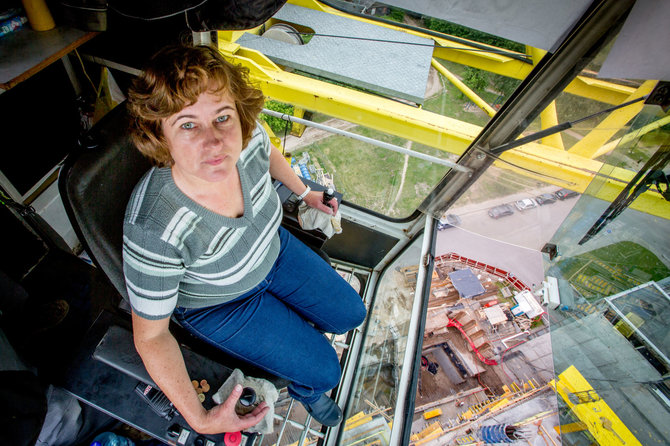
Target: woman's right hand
[
  {"x": 223, "y": 418},
  {"x": 164, "y": 361}
]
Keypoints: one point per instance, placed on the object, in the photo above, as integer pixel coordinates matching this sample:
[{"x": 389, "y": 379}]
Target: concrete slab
[
  {"x": 388, "y": 62},
  {"x": 447, "y": 367}
]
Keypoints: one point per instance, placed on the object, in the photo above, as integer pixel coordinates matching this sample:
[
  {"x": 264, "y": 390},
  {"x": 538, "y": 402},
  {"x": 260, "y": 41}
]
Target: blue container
[
  {"x": 495, "y": 434},
  {"x": 111, "y": 439}
]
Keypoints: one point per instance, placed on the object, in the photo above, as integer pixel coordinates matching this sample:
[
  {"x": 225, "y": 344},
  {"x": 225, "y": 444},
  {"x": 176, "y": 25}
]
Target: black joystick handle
[
  {"x": 328, "y": 195},
  {"x": 248, "y": 397},
  {"x": 247, "y": 402}
]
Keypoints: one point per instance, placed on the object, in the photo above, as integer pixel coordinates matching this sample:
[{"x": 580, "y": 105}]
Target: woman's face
[{"x": 205, "y": 139}]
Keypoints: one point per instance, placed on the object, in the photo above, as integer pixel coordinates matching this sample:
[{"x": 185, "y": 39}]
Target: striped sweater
[{"x": 178, "y": 253}]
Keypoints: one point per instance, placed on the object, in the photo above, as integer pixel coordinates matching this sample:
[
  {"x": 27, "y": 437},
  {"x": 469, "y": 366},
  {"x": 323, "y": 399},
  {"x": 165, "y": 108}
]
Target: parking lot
[
  {"x": 531, "y": 228},
  {"x": 512, "y": 242}
]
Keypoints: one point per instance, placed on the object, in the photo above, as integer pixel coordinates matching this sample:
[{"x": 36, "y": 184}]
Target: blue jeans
[{"x": 279, "y": 324}]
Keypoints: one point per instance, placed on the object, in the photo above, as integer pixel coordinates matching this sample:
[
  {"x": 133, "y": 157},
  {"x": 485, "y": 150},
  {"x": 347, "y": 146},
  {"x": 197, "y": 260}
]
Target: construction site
[{"x": 486, "y": 363}]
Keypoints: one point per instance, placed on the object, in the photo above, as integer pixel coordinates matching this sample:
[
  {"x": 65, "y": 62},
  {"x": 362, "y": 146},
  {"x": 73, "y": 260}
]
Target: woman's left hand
[{"x": 315, "y": 200}]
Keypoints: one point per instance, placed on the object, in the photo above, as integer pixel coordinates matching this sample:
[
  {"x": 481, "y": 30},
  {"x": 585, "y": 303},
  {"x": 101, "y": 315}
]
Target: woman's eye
[
  {"x": 187, "y": 125},
  {"x": 223, "y": 118}
]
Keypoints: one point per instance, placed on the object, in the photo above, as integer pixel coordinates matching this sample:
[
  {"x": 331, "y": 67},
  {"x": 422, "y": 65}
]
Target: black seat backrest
[{"x": 95, "y": 184}]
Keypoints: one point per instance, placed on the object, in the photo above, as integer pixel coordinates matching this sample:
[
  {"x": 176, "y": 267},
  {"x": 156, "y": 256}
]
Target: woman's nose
[{"x": 211, "y": 137}]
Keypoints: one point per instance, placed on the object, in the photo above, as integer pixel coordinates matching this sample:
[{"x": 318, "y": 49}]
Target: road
[
  {"x": 531, "y": 228},
  {"x": 514, "y": 242}
]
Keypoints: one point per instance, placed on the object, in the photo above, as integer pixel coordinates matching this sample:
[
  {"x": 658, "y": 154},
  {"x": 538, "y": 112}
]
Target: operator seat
[{"x": 95, "y": 184}]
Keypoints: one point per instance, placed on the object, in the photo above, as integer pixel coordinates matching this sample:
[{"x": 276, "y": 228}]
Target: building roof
[
  {"x": 495, "y": 315},
  {"x": 466, "y": 283},
  {"x": 528, "y": 304}
]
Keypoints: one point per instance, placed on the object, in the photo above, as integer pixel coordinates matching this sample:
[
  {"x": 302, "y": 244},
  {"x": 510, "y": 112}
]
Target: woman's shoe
[{"x": 325, "y": 411}]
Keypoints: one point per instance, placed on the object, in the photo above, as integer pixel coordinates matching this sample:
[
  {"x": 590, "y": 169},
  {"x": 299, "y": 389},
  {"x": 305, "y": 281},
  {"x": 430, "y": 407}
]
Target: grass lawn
[
  {"x": 615, "y": 268},
  {"x": 371, "y": 176},
  {"x": 365, "y": 174}
]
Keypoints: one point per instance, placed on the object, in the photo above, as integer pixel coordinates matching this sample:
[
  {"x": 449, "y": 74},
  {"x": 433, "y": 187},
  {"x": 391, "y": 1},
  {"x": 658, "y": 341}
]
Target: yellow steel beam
[
  {"x": 575, "y": 172},
  {"x": 424, "y": 127},
  {"x": 361, "y": 108},
  {"x": 590, "y": 88},
  {"x": 603, "y": 91},
  {"x": 473, "y": 56},
  {"x": 601, "y": 421},
  {"x": 548, "y": 116},
  {"x": 614, "y": 122},
  {"x": 631, "y": 136},
  {"x": 474, "y": 97}
]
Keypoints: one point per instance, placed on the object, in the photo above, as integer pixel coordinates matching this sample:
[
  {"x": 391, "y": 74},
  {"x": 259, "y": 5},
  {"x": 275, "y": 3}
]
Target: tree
[
  {"x": 444, "y": 27},
  {"x": 278, "y": 125},
  {"x": 476, "y": 79}
]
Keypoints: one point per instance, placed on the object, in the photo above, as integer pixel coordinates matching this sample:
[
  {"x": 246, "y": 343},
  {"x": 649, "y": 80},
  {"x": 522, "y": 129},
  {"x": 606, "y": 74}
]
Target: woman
[{"x": 202, "y": 241}]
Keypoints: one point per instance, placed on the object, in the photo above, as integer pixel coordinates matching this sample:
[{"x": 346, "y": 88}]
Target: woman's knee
[
  {"x": 352, "y": 315},
  {"x": 326, "y": 374}
]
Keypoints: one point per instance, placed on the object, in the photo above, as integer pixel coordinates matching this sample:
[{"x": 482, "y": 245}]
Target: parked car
[
  {"x": 526, "y": 203},
  {"x": 501, "y": 211},
  {"x": 562, "y": 194},
  {"x": 545, "y": 199},
  {"x": 448, "y": 221}
]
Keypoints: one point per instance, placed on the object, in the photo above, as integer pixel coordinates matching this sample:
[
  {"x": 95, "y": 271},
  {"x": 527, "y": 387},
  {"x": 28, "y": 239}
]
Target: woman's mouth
[{"x": 215, "y": 161}]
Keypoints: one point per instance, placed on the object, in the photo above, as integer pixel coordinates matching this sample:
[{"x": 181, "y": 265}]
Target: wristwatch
[{"x": 304, "y": 194}]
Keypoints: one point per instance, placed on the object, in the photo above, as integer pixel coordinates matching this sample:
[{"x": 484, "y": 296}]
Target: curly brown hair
[{"x": 173, "y": 79}]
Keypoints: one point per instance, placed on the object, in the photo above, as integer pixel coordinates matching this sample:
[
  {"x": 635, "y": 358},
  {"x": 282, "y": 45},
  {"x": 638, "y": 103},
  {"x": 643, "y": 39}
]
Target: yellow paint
[
  {"x": 552, "y": 164},
  {"x": 305, "y": 442},
  {"x": 599, "y": 90},
  {"x": 623, "y": 326},
  {"x": 548, "y": 116},
  {"x": 600, "y": 420},
  {"x": 432, "y": 413},
  {"x": 630, "y": 136},
  {"x": 614, "y": 122},
  {"x": 501, "y": 404},
  {"x": 571, "y": 427},
  {"x": 356, "y": 417},
  {"x": 298, "y": 129},
  {"x": 273, "y": 138},
  {"x": 462, "y": 54},
  {"x": 429, "y": 433},
  {"x": 357, "y": 420}
]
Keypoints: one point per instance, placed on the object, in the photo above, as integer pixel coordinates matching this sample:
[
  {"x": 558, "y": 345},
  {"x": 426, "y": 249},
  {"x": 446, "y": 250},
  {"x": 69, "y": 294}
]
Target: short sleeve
[
  {"x": 267, "y": 145},
  {"x": 153, "y": 270}
]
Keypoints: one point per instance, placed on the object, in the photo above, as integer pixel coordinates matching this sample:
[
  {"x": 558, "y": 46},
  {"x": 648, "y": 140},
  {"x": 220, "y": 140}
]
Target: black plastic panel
[
  {"x": 359, "y": 245},
  {"x": 112, "y": 390}
]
